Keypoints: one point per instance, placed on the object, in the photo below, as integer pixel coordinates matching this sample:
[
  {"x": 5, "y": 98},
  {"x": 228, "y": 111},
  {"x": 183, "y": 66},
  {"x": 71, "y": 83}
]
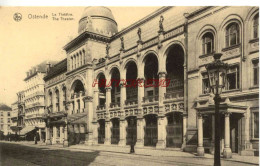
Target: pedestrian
[{"x": 35, "y": 139}]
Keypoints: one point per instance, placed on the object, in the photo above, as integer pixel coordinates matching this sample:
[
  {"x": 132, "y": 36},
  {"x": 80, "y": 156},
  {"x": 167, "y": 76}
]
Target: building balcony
[
  {"x": 149, "y": 99},
  {"x": 114, "y": 104},
  {"x": 130, "y": 101},
  {"x": 174, "y": 94}
]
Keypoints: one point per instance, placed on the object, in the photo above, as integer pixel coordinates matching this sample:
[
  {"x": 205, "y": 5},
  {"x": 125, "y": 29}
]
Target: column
[
  {"x": 184, "y": 131},
  {"x": 108, "y": 98},
  {"x": 48, "y": 136},
  {"x": 61, "y": 135},
  {"x": 54, "y": 135},
  {"x": 108, "y": 132},
  {"x": 95, "y": 123},
  {"x": 162, "y": 91},
  {"x": 65, "y": 142},
  {"x": 75, "y": 103},
  {"x": 122, "y": 97},
  {"x": 123, "y": 125},
  {"x": 162, "y": 122},
  {"x": 227, "y": 151},
  {"x": 40, "y": 134},
  {"x": 81, "y": 102},
  {"x": 140, "y": 94},
  {"x": 200, "y": 148},
  {"x": 212, "y": 148},
  {"x": 140, "y": 131},
  {"x": 247, "y": 149}
]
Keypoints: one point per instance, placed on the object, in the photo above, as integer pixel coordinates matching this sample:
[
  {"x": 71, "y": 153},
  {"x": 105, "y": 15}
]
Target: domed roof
[{"x": 99, "y": 20}]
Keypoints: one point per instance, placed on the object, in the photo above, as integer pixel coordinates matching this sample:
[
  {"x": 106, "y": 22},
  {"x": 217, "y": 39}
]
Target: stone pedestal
[{"x": 89, "y": 139}]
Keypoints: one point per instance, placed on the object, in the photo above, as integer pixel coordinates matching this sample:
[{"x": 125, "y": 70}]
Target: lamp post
[{"x": 217, "y": 71}]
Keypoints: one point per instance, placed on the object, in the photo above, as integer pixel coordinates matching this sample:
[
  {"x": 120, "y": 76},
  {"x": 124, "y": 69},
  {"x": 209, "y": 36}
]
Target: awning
[
  {"x": 78, "y": 118},
  {"x": 27, "y": 129}
]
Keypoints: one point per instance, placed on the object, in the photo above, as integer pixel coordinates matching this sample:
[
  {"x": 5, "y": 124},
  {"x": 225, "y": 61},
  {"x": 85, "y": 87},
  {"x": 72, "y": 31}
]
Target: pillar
[
  {"x": 122, "y": 96},
  {"x": 65, "y": 142},
  {"x": 247, "y": 149},
  {"x": 54, "y": 135},
  {"x": 75, "y": 103},
  {"x": 81, "y": 102},
  {"x": 48, "y": 136},
  {"x": 162, "y": 91},
  {"x": 108, "y": 98},
  {"x": 108, "y": 132},
  {"x": 95, "y": 123},
  {"x": 200, "y": 148},
  {"x": 162, "y": 122},
  {"x": 123, "y": 125},
  {"x": 61, "y": 135},
  {"x": 227, "y": 151},
  {"x": 212, "y": 148},
  {"x": 140, "y": 131},
  {"x": 40, "y": 134},
  {"x": 184, "y": 130}
]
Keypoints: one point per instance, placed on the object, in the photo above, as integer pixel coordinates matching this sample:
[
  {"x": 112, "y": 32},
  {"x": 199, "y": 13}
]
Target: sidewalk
[{"x": 146, "y": 151}]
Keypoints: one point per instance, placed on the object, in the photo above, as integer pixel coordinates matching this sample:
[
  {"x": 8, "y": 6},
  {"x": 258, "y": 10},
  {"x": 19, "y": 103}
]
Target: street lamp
[{"x": 217, "y": 71}]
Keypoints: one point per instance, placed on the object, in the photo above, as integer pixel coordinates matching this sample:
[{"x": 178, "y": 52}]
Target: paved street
[{"x": 16, "y": 154}]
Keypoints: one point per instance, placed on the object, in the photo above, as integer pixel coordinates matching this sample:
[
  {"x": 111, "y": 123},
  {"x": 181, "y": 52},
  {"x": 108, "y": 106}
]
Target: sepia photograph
[{"x": 129, "y": 85}]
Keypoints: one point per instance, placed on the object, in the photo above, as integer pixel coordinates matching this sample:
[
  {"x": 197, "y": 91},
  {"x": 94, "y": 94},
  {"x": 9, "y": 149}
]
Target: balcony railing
[
  {"x": 101, "y": 107},
  {"x": 114, "y": 104},
  {"x": 132, "y": 101},
  {"x": 149, "y": 99},
  {"x": 174, "y": 94}
]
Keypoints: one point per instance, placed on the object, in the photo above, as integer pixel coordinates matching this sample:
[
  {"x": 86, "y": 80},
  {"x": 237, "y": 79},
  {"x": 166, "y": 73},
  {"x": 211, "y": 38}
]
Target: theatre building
[{"x": 172, "y": 43}]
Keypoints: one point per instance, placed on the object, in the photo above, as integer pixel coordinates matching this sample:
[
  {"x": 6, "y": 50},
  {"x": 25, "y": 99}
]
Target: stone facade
[{"x": 173, "y": 43}]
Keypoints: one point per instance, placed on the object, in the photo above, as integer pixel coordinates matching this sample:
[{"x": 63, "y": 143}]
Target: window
[
  {"x": 256, "y": 26},
  {"x": 207, "y": 43},
  {"x": 256, "y": 124},
  {"x": 232, "y": 78},
  {"x": 256, "y": 72},
  {"x": 9, "y": 120},
  {"x": 205, "y": 84},
  {"x": 232, "y": 35},
  {"x": 8, "y": 114}
]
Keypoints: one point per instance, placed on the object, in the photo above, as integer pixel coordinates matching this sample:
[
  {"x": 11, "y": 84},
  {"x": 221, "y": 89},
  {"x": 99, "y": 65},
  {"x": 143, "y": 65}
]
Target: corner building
[{"x": 171, "y": 43}]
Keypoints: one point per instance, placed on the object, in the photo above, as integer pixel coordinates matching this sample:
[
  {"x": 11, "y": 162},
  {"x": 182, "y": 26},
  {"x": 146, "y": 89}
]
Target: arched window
[
  {"x": 256, "y": 26},
  {"x": 207, "y": 43},
  {"x": 232, "y": 35}
]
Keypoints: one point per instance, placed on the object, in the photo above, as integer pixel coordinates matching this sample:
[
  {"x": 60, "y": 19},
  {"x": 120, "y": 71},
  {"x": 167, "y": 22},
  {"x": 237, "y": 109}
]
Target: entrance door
[
  {"x": 115, "y": 132},
  {"x": 234, "y": 122},
  {"x": 150, "y": 137},
  {"x": 131, "y": 130},
  {"x": 174, "y": 130},
  {"x": 101, "y": 132}
]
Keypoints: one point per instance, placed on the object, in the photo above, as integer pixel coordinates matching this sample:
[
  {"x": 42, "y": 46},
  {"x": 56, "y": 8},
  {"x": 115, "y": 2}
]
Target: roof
[
  {"x": 57, "y": 69},
  {"x": 4, "y": 107}
]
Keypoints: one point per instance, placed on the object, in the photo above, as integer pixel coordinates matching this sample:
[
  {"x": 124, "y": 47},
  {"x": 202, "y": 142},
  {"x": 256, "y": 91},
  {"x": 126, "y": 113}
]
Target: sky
[{"x": 28, "y": 42}]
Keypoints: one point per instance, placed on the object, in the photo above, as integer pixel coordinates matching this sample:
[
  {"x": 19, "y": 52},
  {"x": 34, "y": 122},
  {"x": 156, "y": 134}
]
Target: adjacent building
[
  {"x": 5, "y": 119},
  {"x": 173, "y": 43}
]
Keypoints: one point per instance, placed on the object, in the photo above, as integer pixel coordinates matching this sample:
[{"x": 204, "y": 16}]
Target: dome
[{"x": 98, "y": 20}]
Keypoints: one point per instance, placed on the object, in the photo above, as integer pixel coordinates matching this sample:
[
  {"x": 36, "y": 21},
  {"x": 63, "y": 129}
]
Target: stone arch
[
  {"x": 77, "y": 78},
  {"x": 250, "y": 21}
]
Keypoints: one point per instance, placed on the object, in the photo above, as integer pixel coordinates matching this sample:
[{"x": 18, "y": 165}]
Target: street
[{"x": 13, "y": 154}]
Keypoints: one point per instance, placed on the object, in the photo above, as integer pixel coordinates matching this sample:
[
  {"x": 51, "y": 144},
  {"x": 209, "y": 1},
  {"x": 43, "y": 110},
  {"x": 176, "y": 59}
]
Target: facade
[
  {"x": 34, "y": 106},
  {"x": 172, "y": 43},
  {"x": 5, "y": 119},
  {"x": 18, "y": 113}
]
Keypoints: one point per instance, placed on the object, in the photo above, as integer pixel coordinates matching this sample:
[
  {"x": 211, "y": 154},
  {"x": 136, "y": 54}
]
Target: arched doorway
[
  {"x": 115, "y": 131},
  {"x": 131, "y": 76},
  {"x": 101, "y": 131},
  {"x": 174, "y": 130},
  {"x": 115, "y": 91},
  {"x": 150, "y": 135},
  {"x": 175, "y": 71},
  {"x": 131, "y": 130},
  {"x": 151, "y": 75}
]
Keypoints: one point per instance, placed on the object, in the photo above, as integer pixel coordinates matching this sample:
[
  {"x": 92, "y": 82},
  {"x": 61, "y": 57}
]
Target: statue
[
  {"x": 122, "y": 43},
  {"x": 161, "y": 24},
  {"x": 139, "y": 32},
  {"x": 107, "y": 50}
]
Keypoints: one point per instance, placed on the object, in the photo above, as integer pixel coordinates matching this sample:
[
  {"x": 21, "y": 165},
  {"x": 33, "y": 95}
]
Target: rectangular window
[
  {"x": 256, "y": 72},
  {"x": 8, "y": 114},
  {"x": 256, "y": 124},
  {"x": 205, "y": 84},
  {"x": 232, "y": 78},
  {"x": 8, "y": 120}
]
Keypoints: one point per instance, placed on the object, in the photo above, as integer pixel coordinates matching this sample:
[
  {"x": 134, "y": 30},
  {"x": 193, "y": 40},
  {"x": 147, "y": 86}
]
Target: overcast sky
[{"x": 29, "y": 42}]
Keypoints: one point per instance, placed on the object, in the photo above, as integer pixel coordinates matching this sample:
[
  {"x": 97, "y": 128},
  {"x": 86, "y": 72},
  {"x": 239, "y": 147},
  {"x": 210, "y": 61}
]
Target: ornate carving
[
  {"x": 139, "y": 33},
  {"x": 88, "y": 98}
]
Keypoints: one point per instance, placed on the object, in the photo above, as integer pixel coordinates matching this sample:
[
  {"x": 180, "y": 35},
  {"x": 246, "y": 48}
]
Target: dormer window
[
  {"x": 232, "y": 35},
  {"x": 207, "y": 43}
]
